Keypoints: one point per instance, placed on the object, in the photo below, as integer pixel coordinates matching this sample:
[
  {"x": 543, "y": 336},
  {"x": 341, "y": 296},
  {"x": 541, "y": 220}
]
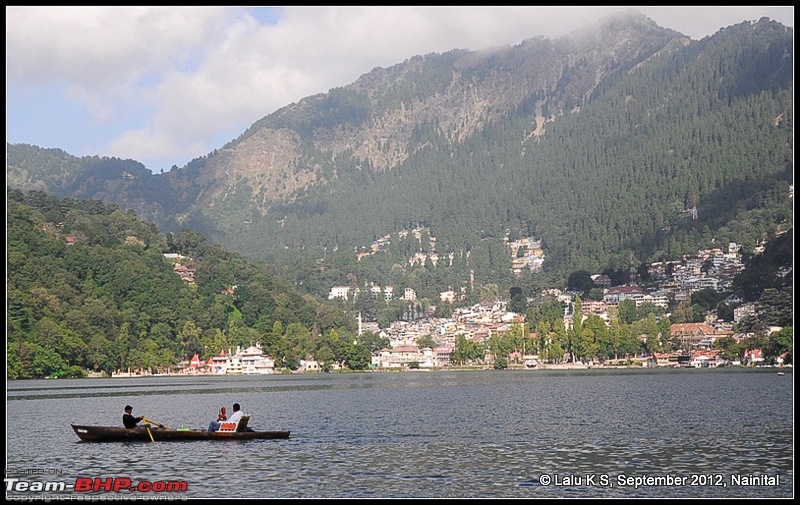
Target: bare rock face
[
  {"x": 477, "y": 88},
  {"x": 322, "y": 173},
  {"x": 266, "y": 162}
]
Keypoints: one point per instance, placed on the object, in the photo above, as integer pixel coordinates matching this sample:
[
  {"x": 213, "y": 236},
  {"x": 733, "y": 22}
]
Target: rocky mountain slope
[{"x": 526, "y": 135}]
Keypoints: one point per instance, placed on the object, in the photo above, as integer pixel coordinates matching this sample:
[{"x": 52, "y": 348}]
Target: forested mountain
[
  {"x": 596, "y": 143},
  {"x": 88, "y": 288}
]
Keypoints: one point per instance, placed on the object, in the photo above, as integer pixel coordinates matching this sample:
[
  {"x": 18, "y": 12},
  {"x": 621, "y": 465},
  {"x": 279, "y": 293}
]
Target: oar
[
  {"x": 151, "y": 435},
  {"x": 153, "y": 422}
]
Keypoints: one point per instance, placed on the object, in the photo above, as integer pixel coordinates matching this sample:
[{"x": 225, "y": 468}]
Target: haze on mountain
[{"x": 596, "y": 144}]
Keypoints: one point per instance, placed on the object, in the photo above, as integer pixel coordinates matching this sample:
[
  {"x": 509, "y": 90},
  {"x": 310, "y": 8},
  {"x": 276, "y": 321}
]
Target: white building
[
  {"x": 448, "y": 296},
  {"x": 398, "y": 357},
  {"x": 618, "y": 294},
  {"x": 256, "y": 361},
  {"x": 742, "y": 311},
  {"x": 252, "y": 360},
  {"x": 342, "y": 292}
]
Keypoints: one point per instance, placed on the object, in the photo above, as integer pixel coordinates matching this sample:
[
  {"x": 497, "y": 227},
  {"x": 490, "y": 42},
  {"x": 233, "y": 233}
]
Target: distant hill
[
  {"x": 599, "y": 144},
  {"x": 89, "y": 287}
]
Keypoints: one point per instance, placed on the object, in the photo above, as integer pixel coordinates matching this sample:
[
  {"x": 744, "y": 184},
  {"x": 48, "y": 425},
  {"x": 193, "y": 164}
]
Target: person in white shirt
[{"x": 237, "y": 414}]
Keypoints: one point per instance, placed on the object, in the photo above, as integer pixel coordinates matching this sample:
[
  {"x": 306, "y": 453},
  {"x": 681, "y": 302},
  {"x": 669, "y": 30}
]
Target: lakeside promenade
[{"x": 510, "y": 368}]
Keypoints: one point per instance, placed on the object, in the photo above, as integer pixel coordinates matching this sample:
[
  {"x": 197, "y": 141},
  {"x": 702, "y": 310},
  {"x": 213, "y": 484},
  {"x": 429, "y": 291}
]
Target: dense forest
[
  {"x": 89, "y": 289},
  {"x": 598, "y": 146},
  {"x": 611, "y": 181},
  {"x": 613, "y": 148}
]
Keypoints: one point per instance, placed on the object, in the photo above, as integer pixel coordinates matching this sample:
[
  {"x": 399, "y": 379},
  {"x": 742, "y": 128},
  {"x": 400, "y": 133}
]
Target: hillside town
[{"x": 673, "y": 281}]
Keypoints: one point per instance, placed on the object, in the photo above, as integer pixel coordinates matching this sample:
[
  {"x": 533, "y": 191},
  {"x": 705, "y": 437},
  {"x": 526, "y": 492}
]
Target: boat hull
[{"x": 140, "y": 434}]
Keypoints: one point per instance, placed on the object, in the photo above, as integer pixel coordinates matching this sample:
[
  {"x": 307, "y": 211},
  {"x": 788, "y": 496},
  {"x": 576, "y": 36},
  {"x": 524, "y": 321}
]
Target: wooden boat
[{"x": 143, "y": 434}]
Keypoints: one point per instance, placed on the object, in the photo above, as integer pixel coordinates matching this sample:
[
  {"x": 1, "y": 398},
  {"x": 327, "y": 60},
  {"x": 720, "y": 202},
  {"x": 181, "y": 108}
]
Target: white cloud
[
  {"x": 102, "y": 46},
  {"x": 161, "y": 84}
]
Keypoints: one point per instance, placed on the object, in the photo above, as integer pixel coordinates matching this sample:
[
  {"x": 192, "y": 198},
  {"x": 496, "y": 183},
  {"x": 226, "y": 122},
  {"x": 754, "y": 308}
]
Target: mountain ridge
[{"x": 286, "y": 176}]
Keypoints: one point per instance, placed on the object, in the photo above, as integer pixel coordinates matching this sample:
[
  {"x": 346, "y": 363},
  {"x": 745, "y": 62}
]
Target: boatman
[{"x": 127, "y": 418}]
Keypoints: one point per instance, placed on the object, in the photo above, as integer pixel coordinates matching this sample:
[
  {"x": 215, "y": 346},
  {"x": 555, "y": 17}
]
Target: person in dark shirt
[{"x": 127, "y": 418}]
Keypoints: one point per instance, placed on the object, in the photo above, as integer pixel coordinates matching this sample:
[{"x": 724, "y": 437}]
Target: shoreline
[{"x": 547, "y": 367}]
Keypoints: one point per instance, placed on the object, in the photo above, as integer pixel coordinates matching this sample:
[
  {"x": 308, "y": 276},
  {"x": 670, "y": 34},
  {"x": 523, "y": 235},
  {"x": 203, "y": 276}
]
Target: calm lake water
[{"x": 488, "y": 434}]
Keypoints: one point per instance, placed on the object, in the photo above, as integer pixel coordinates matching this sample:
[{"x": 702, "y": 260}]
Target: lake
[{"x": 626, "y": 433}]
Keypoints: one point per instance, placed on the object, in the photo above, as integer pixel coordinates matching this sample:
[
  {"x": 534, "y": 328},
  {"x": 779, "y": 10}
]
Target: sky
[{"x": 165, "y": 85}]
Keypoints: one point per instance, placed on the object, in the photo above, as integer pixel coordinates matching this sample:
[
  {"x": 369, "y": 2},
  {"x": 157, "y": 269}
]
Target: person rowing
[{"x": 128, "y": 420}]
